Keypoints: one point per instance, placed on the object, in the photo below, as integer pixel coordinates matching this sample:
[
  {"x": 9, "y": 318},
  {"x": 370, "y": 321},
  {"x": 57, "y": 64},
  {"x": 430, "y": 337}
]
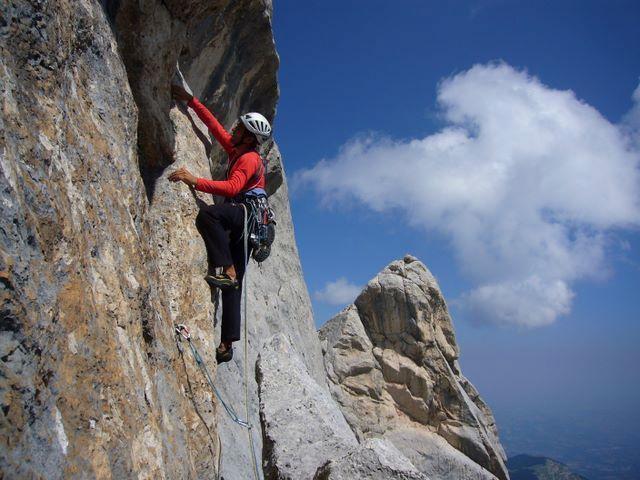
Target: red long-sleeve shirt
[{"x": 242, "y": 165}]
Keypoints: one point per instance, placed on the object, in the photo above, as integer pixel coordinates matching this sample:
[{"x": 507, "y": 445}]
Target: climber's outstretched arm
[{"x": 217, "y": 130}]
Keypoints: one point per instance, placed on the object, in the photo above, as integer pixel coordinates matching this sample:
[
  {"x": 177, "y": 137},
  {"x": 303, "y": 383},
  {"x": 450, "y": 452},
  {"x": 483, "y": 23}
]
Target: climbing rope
[{"x": 183, "y": 332}]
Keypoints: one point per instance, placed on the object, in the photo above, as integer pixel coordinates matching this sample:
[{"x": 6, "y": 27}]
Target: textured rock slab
[
  {"x": 392, "y": 362},
  {"x": 226, "y": 51},
  {"x": 302, "y": 425},
  {"x": 93, "y": 275},
  {"x": 375, "y": 459},
  {"x": 433, "y": 455}
]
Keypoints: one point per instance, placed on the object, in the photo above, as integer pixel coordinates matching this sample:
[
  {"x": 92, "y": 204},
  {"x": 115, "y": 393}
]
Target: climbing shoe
[
  {"x": 222, "y": 281},
  {"x": 224, "y": 355}
]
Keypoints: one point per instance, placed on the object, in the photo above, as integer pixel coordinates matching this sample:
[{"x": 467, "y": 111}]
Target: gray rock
[
  {"x": 178, "y": 80},
  {"x": 375, "y": 459},
  {"x": 226, "y": 52},
  {"x": 93, "y": 383},
  {"x": 434, "y": 456},
  {"x": 227, "y": 55},
  {"x": 99, "y": 254},
  {"x": 100, "y": 257},
  {"x": 301, "y": 424},
  {"x": 392, "y": 362},
  {"x": 278, "y": 301}
]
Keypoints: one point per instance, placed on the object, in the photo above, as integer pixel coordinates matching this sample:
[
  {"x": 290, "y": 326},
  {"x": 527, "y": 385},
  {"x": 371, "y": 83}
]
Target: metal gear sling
[{"x": 261, "y": 227}]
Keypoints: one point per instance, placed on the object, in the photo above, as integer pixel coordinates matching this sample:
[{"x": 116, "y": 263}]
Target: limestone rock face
[
  {"x": 434, "y": 456},
  {"x": 391, "y": 360},
  {"x": 302, "y": 425},
  {"x": 91, "y": 381},
  {"x": 305, "y": 433},
  {"x": 99, "y": 254},
  {"x": 226, "y": 52},
  {"x": 375, "y": 459},
  {"x": 278, "y": 303}
]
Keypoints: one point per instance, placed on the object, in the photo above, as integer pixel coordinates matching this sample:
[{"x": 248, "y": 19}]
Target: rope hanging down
[{"x": 183, "y": 332}]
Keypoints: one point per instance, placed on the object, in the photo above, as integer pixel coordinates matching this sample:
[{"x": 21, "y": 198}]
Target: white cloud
[
  {"x": 531, "y": 302},
  {"x": 631, "y": 121},
  {"x": 528, "y": 183},
  {"x": 341, "y": 292}
]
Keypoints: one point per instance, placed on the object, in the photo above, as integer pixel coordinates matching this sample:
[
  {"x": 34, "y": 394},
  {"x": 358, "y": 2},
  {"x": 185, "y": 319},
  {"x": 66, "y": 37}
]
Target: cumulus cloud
[
  {"x": 341, "y": 292},
  {"x": 631, "y": 121},
  {"x": 526, "y": 181}
]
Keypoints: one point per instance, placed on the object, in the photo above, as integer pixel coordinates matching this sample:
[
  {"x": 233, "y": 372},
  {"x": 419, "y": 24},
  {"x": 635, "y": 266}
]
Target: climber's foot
[
  {"x": 222, "y": 281},
  {"x": 224, "y": 353}
]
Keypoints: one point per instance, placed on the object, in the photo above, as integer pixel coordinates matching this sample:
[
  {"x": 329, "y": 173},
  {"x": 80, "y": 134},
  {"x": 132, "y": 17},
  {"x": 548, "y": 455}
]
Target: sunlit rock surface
[
  {"x": 302, "y": 425},
  {"x": 96, "y": 264},
  {"x": 391, "y": 360},
  {"x": 92, "y": 383},
  {"x": 375, "y": 459},
  {"x": 100, "y": 258}
]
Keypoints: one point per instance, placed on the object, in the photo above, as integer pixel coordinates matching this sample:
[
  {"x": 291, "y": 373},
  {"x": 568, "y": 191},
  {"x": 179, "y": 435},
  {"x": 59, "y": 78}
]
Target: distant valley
[
  {"x": 599, "y": 445},
  {"x": 527, "y": 467}
]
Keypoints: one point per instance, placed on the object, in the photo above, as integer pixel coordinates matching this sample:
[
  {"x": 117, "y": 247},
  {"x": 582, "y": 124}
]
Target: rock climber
[{"x": 222, "y": 225}]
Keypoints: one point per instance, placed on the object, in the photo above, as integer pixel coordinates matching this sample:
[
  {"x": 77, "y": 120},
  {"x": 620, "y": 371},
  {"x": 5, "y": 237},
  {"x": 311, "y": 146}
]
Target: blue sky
[{"x": 377, "y": 75}]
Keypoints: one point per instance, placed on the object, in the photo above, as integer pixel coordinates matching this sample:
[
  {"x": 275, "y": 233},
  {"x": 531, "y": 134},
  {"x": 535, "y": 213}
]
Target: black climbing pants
[{"x": 222, "y": 228}]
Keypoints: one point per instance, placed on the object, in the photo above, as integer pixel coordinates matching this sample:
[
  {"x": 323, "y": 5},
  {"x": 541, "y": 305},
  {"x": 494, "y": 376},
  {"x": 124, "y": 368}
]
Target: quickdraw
[{"x": 182, "y": 332}]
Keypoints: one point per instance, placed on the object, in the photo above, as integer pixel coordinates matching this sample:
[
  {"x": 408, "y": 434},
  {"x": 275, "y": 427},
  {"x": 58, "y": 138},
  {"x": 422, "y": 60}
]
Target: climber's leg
[
  {"x": 214, "y": 222},
  {"x": 231, "y": 299}
]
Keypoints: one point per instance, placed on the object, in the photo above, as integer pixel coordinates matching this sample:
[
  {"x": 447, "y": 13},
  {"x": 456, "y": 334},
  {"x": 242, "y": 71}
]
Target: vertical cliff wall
[
  {"x": 398, "y": 406},
  {"x": 99, "y": 255},
  {"x": 91, "y": 382},
  {"x": 227, "y": 54},
  {"x": 100, "y": 258}
]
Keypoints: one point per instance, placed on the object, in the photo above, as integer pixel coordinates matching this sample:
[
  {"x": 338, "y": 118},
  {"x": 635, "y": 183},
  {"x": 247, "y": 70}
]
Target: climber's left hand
[
  {"x": 183, "y": 175},
  {"x": 180, "y": 93}
]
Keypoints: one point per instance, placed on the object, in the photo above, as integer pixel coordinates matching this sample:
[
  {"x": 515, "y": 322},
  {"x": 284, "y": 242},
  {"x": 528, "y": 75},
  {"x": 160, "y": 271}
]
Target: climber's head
[
  {"x": 241, "y": 136},
  {"x": 257, "y": 125}
]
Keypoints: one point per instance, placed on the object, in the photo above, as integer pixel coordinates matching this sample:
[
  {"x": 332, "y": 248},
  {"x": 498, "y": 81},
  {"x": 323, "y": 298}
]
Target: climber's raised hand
[
  {"x": 183, "y": 175},
  {"x": 180, "y": 93}
]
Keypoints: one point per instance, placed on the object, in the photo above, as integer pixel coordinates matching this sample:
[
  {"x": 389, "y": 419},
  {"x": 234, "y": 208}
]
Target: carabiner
[{"x": 183, "y": 331}]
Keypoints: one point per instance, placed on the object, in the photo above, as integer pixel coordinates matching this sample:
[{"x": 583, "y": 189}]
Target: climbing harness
[
  {"x": 262, "y": 225},
  {"x": 262, "y": 219}
]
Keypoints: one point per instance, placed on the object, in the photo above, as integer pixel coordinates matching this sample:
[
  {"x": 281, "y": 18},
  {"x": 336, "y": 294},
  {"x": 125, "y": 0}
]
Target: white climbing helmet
[{"x": 258, "y": 125}]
